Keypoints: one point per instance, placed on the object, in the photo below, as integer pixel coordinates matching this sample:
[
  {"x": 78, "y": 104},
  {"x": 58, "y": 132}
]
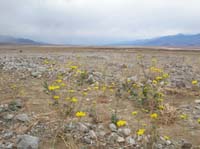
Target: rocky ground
[{"x": 27, "y": 120}]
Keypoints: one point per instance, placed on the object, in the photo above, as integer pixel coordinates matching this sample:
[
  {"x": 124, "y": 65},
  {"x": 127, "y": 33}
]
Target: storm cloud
[{"x": 97, "y": 21}]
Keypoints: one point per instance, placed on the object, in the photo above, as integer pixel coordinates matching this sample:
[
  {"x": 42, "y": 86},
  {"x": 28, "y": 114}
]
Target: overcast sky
[{"x": 97, "y": 21}]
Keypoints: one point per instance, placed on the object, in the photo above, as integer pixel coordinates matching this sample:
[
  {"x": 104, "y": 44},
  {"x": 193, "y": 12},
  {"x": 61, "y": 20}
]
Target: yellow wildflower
[
  {"x": 46, "y": 62},
  {"x": 71, "y": 91},
  {"x": 121, "y": 123},
  {"x": 96, "y": 88},
  {"x": 104, "y": 88},
  {"x": 74, "y": 99},
  {"x": 160, "y": 99},
  {"x": 58, "y": 81},
  {"x": 154, "y": 82},
  {"x": 52, "y": 87},
  {"x": 85, "y": 93},
  {"x": 63, "y": 84},
  {"x": 135, "y": 85},
  {"x": 154, "y": 115},
  {"x": 194, "y": 82},
  {"x": 56, "y": 97},
  {"x": 154, "y": 69},
  {"x": 158, "y": 78},
  {"x": 165, "y": 75},
  {"x": 128, "y": 80},
  {"x": 183, "y": 116},
  {"x": 161, "y": 107},
  {"x": 80, "y": 114},
  {"x": 166, "y": 137},
  {"x": 140, "y": 132},
  {"x": 78, "y": 71},
  {"x": 198, "y": 120},
  {"x": 145, "y": 110},
  {"x": 134, "y": 113},
  {"x": 73, "y": 67},
  {"x": 160, "y": 94}
]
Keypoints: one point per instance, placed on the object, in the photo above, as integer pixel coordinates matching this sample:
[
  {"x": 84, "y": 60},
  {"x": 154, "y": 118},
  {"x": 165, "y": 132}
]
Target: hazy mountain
[
  {"x": 14, "y": 40},
  {"x": 173, "y": 40}
]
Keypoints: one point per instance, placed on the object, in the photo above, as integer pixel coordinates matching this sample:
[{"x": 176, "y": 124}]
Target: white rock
[
  {"x": 92, "y": 134},
  {"x": 22, "y": 117},
  {"x": 113, "y": 127},
  {"x": 120, "y": 139},
  {"x": 130, "y": 140},
  {"x": 27, "y": 141}
]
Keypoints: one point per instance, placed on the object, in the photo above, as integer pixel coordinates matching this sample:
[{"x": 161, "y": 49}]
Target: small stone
[
  {"x": 186, "y": 145},
  {"x": 92, "y": 134},
  {"x": 69, "y": 127},
  {"x": 8, "y": 116},
  {"x": 27, "y": 141},
  {"x": 126, "y": 131},
  {"x": 130, "y": 140},
  {"x": 113, "y": 127},
  {"x": 22, "y": 117},
  {"x": 36, "y": 74},
  {"x": 82, "y": 128},
  {"x": 120, "y": 139},
  {"x": 159, "y": 146},
  {"x": 15, "y": 105},
  {"x": 8, "y": 135},
  {"x": 197, "y": 101},
  {"x": 7, "y": 145},
  {"x": 101, "y": 133},
  {"x": 113, "y": 137},
  {"x": 87, "y": 140},
  {"x": 168, "y": 142}
]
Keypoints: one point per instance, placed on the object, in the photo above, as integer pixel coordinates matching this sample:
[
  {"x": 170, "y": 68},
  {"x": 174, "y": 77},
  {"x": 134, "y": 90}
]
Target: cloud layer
[{"x": 97, "y": 21}]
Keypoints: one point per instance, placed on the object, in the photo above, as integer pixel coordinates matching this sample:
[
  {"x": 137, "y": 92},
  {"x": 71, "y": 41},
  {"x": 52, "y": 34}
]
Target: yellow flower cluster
[
  {"x": 166, "y": 137},
  {"x": 154, "y": 69},
  {"x": 159, "y": 78},
  {"x": 134, "y": 113},
  {"x": 154, "y": 115},
  {"x": 121, "y": 123},
  {"x": 198, "y": 120},
  {"x": 56, "y": 97},
  {"x": 53, "y": 87},
  {"x": 58, "y": 81},
  {"x": 194, "y": 82},
  {"x": 73, "y": 67},
  {"x": 154, "y": 82},
  {"x": 183, "y": 116},
  {"x": 140, "y": 132},
  {"x": 80, "y": 114},
  {"x": 74, "y": 100},
  {"x": 161, "y": 107}
]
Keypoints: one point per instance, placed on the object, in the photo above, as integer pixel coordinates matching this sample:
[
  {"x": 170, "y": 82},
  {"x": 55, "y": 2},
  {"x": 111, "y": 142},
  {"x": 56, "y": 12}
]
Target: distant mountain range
[
  {"x": 178, "y": 40},
  {"x": 18, "y": 41}
]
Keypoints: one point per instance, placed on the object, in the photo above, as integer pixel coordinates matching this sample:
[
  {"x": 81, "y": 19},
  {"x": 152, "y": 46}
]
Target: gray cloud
[{"x": 95, "y": 21}]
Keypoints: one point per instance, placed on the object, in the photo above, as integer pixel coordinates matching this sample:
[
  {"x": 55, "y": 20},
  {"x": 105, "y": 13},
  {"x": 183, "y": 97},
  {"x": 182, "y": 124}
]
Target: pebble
[
  {"x": 197, "y": 101},
  {"x": 130, "y": 140},
  {"x": 22, "y": 117},
  {"x": 92, "y": 134},
  {"x": 81, "y": 127},
  {"x": 27, "y": 142},
  {"x": 186, "y": 145},
  {"x": 120, "y": 139},
  {"x": 113, "y": 127},
  {"x": 8, "y": 116}
]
